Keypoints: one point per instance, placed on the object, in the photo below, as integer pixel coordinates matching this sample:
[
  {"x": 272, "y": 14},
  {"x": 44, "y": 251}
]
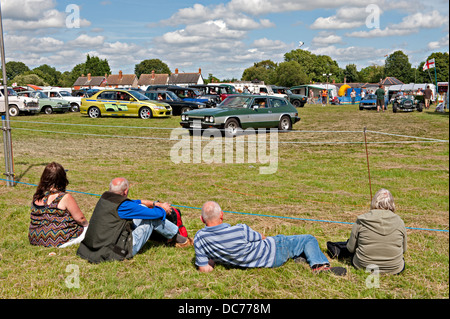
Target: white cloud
[
  {"x": 34, "y": 14},
  {"x": 86, "y": 41},
  {"x": 326, "y": 39},
  {"x": 410, "y": 24},
  {"x": 345, "y": 18},
  {"x": 352, "y": 53},
  {"x": 436, "y": 45}
]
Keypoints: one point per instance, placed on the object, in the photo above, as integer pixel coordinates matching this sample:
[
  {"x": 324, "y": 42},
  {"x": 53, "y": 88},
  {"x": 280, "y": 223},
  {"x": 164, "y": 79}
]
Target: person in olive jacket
[{"x": 378, "y": 238}]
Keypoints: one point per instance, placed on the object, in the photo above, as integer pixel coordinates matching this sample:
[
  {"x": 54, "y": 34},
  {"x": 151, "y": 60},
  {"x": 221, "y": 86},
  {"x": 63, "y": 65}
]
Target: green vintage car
[
  {"x": 297, "y": 100},
  {"x": 241, "y": 112},
  {"x": 47, "y": 105}
]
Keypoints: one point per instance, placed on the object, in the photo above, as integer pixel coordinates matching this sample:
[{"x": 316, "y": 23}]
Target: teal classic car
[
  {"x": 47, "y": 105},
  {"x": 241, "y": 112}
]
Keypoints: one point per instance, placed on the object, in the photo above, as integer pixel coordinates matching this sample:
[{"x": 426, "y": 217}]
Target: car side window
[
  {"x": 260, "y": 102},
  {"x": 107, "y": 96},
  {"x": 277, "y": 102}
]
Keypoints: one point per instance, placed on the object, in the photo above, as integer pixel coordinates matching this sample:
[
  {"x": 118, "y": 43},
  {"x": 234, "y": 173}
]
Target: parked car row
[
  {"x": 18, "y": 104},
  {"x": 39, "y": 101}
]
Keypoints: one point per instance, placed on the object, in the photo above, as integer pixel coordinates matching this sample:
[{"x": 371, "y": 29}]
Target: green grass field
[{"x": 321, "y": 176}]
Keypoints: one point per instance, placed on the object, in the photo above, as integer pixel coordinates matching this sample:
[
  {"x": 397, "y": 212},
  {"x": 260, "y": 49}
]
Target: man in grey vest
[{"x": 120, "y": 227}]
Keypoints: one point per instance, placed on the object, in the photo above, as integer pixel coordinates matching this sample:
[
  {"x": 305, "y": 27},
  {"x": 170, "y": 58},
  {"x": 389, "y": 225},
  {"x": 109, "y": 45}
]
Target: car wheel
[
  {"x": 420, "y": 107},
  {"x": 231, "y": 128},
  {"x": 394, "y": 107},
  {"x": 94, "y": 112},
  {"x": 145, "y": 113},
  {"x": 297, "y": 103},
  {"x": 48, "y": 110},
  {"x": 74, "y": 107},
  {"x": 13, "y": 110},
  {"x": 285, "y": 124},
  {"x": 185, "y": 109}
]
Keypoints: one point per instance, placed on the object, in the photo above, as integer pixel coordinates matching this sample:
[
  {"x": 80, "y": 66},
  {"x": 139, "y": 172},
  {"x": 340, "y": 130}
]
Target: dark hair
[{"x": 54, "y": 176}]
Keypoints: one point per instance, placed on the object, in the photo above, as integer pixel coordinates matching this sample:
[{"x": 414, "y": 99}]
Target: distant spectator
[
  {"x": 353, "y": 96},
  {"x": 428, "y": 93},
  {"x": 380, "y": 98}
]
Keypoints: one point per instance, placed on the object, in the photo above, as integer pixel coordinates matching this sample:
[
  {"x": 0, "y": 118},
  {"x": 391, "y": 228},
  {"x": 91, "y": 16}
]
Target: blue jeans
[
  {"x": 293, "y": 246},
  {"x": 144, "y": 228}
]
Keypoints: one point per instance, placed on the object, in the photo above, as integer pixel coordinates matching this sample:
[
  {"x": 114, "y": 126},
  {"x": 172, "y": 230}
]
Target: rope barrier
[
  {"x": 249, "y": 214},
  {"x": 237, "y": 140},
  {"x": 173, "y": 128}
]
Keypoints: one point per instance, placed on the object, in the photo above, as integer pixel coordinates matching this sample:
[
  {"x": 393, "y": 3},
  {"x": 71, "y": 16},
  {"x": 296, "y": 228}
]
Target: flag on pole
[{"x": 429, "y": 64}]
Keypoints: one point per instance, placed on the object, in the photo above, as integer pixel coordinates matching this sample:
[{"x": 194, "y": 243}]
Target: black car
[
  {"x": 186, "y": 94},
  {"x": 178, "y": 105},
  {"x": 408, "y": 103}
]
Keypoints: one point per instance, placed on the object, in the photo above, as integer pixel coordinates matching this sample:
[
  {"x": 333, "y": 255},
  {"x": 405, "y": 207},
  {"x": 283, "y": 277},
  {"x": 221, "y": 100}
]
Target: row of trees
[{"x": 299, "y": 67}]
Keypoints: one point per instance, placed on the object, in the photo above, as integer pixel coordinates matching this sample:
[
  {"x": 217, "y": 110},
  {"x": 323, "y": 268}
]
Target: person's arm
[
  {"x": 150, "y": 204},
  {"x": 68, "y": 203},
  {"x": 353, "y": 240},
  {"x": 135, "y": 209}
]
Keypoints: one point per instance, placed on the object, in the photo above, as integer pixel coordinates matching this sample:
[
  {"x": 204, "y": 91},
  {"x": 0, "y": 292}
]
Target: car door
[
  {"x": 127, "y": 104},
  {"x": 260, "y": 114},
  {"x": 107, "y": 102}
]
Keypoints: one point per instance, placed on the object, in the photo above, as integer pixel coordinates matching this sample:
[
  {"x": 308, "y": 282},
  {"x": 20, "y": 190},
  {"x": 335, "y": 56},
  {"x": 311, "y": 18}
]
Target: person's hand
[{"x": 165, "y": 206}]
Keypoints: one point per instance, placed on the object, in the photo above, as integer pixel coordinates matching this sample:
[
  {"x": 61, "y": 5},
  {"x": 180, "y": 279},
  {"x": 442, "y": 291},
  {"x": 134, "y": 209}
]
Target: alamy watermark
[
  {"x": 373, "y": 19},
  {"x": 209, "y": 146},
  {"x": 73, "y": 16},
  {"x": 73, "y": 279},
  {"x": 373, "y": 280}
]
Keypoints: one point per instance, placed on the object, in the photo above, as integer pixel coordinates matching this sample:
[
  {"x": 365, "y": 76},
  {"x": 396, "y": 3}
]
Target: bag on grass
[
  {"x": 175, "y": 218},
  {"x": 338, "y": 249}
]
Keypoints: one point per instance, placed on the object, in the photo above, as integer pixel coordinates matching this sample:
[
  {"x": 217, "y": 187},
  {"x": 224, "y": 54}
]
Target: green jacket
[
  {"x": 380, "y": 94},
  {"x": 379, "y": 238},
  {"x": 108, "y": 236}
]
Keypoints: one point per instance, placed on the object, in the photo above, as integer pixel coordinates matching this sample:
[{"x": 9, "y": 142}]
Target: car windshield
[
  {"x": 40, "y": 95},
  {"x": 370, "y": 97},
  {"x": 138, "y": 95},
  {"x": 65, "y": 93},
  {"x": 11, "y": 92},
  {"x": 236, "y": 101},
  {"x": 172, "y": 96}
]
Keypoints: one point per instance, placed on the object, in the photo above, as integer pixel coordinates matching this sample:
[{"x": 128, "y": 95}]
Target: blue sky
[{"x": 220, "y": 37}]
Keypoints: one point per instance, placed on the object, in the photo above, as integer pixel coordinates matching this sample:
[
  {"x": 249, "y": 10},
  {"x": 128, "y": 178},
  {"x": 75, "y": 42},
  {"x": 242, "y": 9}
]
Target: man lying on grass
[{"x": 243, "y": 247}]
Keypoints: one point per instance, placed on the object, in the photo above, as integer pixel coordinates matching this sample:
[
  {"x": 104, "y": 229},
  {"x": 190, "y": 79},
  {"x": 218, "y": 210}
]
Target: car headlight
[
  {"x": 184, "y": 117},
  {"x": 158, "y": 107},
  {"x": 209, "y": 119}
]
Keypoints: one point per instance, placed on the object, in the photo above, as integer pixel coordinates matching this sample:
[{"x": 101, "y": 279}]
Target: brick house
[
  {"x": 87, "y": 82},
  {"x": 121, "y": 80},
  {"x": 185, "y": 79},
  {"x": 152, "y": 79}
]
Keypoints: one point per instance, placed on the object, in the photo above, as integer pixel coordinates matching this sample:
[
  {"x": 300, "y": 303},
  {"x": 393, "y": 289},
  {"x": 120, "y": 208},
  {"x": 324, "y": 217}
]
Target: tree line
[{"x": 299, "y": 67}]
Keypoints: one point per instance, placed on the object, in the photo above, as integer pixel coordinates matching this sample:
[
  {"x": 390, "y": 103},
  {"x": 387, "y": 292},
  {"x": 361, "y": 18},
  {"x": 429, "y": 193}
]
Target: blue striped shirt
[{"x": 238, "y": 246}]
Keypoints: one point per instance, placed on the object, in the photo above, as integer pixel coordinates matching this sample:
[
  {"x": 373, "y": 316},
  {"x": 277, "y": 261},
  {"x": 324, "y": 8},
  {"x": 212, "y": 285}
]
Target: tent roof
[{"x": 391, "y": 81}]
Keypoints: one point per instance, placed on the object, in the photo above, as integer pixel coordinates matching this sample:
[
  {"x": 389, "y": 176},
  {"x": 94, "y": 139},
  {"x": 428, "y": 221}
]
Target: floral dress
[{"x": 50, "y": 226}]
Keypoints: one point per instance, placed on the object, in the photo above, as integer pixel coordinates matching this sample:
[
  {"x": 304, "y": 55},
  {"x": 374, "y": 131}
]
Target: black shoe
[{"x": 338, "y": 271}]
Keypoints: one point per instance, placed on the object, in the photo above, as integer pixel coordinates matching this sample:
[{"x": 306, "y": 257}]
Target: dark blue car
[{"x": 370, "y": 102}]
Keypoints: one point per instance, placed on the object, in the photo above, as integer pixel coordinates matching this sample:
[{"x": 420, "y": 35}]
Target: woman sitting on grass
[
  {"x": 56, "y": 219},
  {"x": 379, "y": 236}
]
